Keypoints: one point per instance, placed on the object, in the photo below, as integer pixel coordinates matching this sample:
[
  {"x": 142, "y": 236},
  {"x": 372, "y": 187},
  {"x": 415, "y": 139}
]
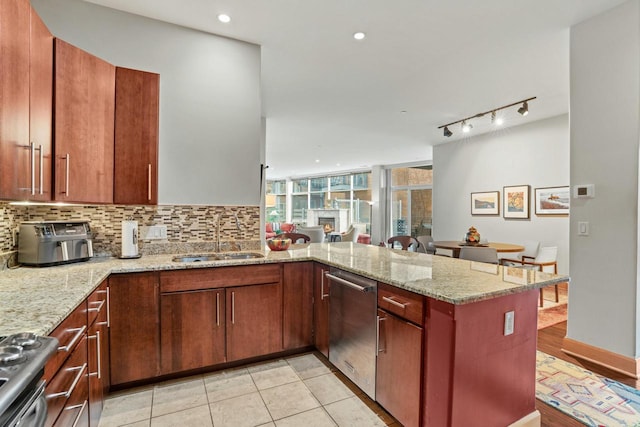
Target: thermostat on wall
[{"x": 584, "y": 191}]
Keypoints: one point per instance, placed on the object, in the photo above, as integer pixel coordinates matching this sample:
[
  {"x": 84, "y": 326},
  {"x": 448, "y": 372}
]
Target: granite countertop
[{"x": 38, "y": 299}]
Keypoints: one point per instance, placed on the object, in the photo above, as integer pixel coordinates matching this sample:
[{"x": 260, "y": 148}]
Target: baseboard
[
  {"x": 532, "y": 420},
  {"x": 625, "y": 365}
]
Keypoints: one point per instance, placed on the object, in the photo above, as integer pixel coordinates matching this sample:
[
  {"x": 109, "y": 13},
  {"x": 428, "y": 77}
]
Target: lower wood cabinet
[
  {"x": 321, "y": 308},
  {"x": 134, "y": 333},
  {"x": 297, "y": 316},
  {"x": 398, "y": 376},
  {"x": 98, "y": 352},
  {"x": 254, "y": 320},
  {"x": 192, "y": 329}
]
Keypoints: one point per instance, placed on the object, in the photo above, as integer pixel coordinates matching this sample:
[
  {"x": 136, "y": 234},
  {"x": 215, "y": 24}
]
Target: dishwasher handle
[{"x": 350, "y": 284}]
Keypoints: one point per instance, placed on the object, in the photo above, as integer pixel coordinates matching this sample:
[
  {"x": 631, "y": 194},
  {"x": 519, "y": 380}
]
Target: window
[
  {"x": 276, "y": 201},
  {"x": 411, "y": 201}
]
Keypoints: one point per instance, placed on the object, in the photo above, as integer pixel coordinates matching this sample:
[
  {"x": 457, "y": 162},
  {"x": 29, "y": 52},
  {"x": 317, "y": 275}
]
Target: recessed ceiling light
[
  {"x": 403, "y": 112},
  {"x": 337, "y": 164},
  {"x": 224, "y": 18},
  {"x": 359, "y": 35},
  {"x": 317, "y": 160}
]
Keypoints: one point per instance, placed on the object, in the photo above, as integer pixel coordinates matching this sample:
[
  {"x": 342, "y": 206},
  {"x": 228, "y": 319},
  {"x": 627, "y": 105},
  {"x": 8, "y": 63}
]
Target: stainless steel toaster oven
[{"x": 54, "y": 242}]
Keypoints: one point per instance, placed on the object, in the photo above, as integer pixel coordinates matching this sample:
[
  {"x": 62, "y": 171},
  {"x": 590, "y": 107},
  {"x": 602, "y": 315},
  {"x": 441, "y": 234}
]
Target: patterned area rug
[{"x": 589, "y": 398}]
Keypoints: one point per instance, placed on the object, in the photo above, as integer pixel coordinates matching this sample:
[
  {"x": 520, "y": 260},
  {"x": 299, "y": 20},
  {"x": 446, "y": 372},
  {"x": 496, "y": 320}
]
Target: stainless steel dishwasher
[{"x": 352, "y": 327}]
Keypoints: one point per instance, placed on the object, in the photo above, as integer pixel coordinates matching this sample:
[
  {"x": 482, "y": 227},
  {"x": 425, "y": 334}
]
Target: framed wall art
[
  {"x": 487, "y": 203},
  {"x": 516, "y": 202},
  {"x": 552, "y": 200}
]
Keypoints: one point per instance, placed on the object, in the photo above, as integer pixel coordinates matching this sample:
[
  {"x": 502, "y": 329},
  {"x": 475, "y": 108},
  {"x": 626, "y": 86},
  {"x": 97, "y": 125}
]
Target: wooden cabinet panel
[
  {"x": 69, "y": 333},
  {"x": 84, "y": 114},
  {"x": 98, "y": 351},
  {"x": 398, "y": 375},
  {"x": 41, "y": 106},
  {"x": 297, "y": 281},
  {"x": 405, "y": 304},
  {"x": 135, "y": 331},
  {"x": 71, "y": 380},
  {"x": 210, "y": 278},
  {"x": 136, "y": 137},
  {"x": 254, "y": 320},
  {"x": 26, "y": 67},
  {"x": 321, "y": 308},
  {"x": 192, "y": 330}
]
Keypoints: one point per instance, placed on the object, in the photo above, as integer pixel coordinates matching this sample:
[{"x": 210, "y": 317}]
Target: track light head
[
  {"x": 447, "y": 132},
  {"x": 466, "y": 127},
  {"x": 524, "y": 110},
  {"x": 496, "y": 120}
]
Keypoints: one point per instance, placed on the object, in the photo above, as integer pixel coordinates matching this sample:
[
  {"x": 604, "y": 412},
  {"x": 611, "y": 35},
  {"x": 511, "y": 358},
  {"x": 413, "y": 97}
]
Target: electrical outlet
[
  {"x": 509, "y": 320},
  {"x": 154, "y": 232}
]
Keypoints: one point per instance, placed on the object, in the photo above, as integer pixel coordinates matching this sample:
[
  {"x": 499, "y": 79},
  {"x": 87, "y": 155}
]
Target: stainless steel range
[{"x": 22, "y": 360}]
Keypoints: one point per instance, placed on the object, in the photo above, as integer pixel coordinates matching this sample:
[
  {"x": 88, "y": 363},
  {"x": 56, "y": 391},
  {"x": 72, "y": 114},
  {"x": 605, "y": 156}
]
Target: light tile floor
[{"x": 300, "y": 390}]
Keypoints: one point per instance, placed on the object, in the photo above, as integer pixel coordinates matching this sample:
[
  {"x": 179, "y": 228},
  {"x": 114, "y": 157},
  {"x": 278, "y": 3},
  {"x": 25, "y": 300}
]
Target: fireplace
[
  {"x": 329, "y": 224},
  {"x": 337, "y": 219}
]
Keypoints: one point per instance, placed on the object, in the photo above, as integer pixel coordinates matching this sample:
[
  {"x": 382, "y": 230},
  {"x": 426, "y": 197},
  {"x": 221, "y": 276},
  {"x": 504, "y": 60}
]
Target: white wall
[
  {"x": 605, "y": 99},
  {"x": 535, "y": 154},
  {"x": 210, "y": 128}
]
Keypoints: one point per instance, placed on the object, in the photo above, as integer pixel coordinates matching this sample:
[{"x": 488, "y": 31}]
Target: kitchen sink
[{"x": 218, "y": 257}]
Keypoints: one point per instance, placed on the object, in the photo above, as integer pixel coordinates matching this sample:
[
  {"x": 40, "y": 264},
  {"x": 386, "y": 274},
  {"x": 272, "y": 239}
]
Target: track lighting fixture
[
  {"x": 524, "y": 110},
  {"x": 495, "y": 118}
]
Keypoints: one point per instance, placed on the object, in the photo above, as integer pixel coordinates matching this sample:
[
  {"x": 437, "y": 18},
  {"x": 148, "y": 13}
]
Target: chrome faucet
[{"x": 235, "y": 215}]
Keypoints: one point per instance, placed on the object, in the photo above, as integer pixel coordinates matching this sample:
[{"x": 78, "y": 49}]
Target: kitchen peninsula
[{"x": 471, "y": 367}]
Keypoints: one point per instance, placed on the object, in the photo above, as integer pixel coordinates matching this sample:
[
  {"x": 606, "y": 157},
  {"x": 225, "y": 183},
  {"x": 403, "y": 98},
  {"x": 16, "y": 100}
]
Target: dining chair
[
  {"x": 405, "y": 241},
  {"x": 350, "y": 235},
  {"x": 295, "y": 237},
  {"x": 546, "y": 260},
  {"x": 531, "y": 248},
  {"x": 426, "y": 245},
  {"x": 480, "y": 254},
  {"x": 315, "y": 233}
]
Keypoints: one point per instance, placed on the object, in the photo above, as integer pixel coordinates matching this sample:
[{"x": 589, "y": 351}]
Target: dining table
[{"x": 454, "y": 246}]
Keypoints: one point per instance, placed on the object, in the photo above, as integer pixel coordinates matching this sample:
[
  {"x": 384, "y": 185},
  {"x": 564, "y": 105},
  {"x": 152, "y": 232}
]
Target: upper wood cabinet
[
  {"x": 84, "y": 126},
  {"x": 136, "y": 137},
  {"x": 26, "y": 87}
]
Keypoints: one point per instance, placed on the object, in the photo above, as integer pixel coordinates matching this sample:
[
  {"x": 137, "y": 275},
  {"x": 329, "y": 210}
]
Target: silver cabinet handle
[
  {"x": 108, "y": 307},
  {"x": 66, "y": 183},
  {"x": 233, "y": 308},
  {"x": 82, "y": 408},
  {"x": 149, "y": 184},
  {"x": 32, "y": 153},
  {"x": 322, "y": 294},
  {"x": 67, "y": 393},
  {"x": 218, "y": 308},
  {"x": 99, "y": 355},
  {"x": 99, "y": 307},
  {"x": 41, "y": 169},
  {"x": 79, "y": 332},
  {"x": 350, "y": 284},
  {"x": 394, "y": 302},
  {"x": 379, "y": 319}
]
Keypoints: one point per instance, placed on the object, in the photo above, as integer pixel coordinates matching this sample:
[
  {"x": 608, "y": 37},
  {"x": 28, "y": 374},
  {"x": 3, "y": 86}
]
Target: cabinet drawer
[
  {"x": 68, "y": 333},
  {"x": 69, "y": 386},
  {"x": 405, "y": 304},
  {"x": 97, "y": 303},
  {"x": 218, "y": 277}
]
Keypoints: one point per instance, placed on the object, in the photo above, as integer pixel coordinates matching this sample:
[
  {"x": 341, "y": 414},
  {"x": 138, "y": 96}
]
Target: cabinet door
[
  {"x": 84, "y": 114},
  {"x": 41, "y": 108},
  {"x": 134, "y": 334},
  {"x": 15, "y": 153},
  {"x": 321, "y": 309},
  {"x": 98, "y": 351},
  {"x": 136, "y": 137},
  {"x": 254, "y": 320},
  {"x": 297, "y": 282},
  {"x": 398, "y": 371},
  {"x": 192, "y": 330}
]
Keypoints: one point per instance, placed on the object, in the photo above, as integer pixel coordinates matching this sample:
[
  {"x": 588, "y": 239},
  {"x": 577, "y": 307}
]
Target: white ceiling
[{"x": 331, "y": 98}]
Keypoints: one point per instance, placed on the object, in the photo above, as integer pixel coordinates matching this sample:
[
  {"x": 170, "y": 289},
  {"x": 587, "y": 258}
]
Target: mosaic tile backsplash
[{"x": 189, "y": 228}]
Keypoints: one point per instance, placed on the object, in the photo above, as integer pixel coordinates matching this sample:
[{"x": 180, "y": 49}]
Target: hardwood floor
[{"x": 550, "y": 342}]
